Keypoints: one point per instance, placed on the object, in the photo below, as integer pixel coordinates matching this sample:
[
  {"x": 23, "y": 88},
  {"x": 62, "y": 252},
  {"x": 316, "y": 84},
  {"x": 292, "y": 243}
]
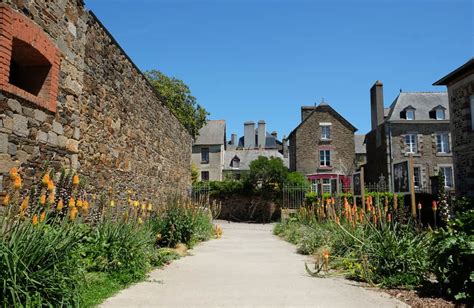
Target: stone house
[
  {"x": 360, "y": 151},
  {"x": 70, "y": 95},
  {"x": 460, "y": 83},
  {"x": 322, "y": 147},
  {"x": 416, "y": 124},
  {"x": 208, "y": 150},
  {"x": 255, "y": 142}
]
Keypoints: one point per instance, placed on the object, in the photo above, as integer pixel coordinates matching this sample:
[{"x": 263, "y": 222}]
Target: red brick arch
[{"x": 21, "y": 40}]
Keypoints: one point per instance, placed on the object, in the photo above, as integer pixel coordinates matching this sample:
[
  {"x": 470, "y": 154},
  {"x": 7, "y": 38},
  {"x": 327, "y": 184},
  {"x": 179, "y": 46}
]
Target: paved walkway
[{"x": 248, "y": 267}]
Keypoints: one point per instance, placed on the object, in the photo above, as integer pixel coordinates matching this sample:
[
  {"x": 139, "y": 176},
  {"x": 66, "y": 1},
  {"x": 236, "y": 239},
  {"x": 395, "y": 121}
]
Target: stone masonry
[{"x": 108, "y": 123}]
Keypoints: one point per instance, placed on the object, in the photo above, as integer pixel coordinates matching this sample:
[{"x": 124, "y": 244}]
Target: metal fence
[{"x": 200, "y": 193}]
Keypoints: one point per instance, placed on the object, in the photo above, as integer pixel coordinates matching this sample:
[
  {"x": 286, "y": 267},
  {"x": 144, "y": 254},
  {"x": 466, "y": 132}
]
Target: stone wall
[
  {"x": 460, "y": 94},
  {"x": 109, "y": 124},
  {"x": 306, "y": 142}
]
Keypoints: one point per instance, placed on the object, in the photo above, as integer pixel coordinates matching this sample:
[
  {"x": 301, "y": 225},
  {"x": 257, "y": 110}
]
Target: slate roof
[
  {"x": 423, "y": 102},
  {"x": 211, "y": 133},
  {"x": 359, "y": 144},
  {"x": 247, "y": 156}
]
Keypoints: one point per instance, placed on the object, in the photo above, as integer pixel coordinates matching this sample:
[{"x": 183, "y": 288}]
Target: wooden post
[
  {"x": 411, "y": 183},
  {"x": 362, "y": 187},
  {"x": 354, "y": 198}
]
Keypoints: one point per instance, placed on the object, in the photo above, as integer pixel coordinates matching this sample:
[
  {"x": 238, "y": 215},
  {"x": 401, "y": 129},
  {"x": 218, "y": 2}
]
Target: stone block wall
[
  {"x": 108, "y": 124},
  {"x": 462, "y": 130}
]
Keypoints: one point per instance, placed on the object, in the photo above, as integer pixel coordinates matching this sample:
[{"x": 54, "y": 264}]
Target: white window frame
[
  {"x": 325, "y": 132},
  {"x": 325, "y": 158},
  {"x": 314, "y": 185},
  {"x": 407, "y": 111},
  {"x": 441, "y": 168},
  {"x": 443, "y": 114},
  {"x": 326, "y": 186},
  {"x": 412, "y": 145},
  {"x": 443, "y": 144}
]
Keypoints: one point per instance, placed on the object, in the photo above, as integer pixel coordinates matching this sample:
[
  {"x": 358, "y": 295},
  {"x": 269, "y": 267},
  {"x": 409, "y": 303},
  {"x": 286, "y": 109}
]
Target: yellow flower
[
  {"x": 42, "y": 216},
  {"x": 79, "y": 203},
  {"x": 34, "y": 220},
  {"x": 143, "y": 206},
  {"x": 6, "y": 200},
  {"x": 140, "y": 221},
  {"x": 150, "y": 207},
  {"x": 75, "y": 180},
  {"x": 46, "y": 179},
  {"x": 51, "y": 198},
  {"x": 72, "y": 202},
  {"x": 112, "y": 203},
  {"x": 136, "y": 203},
  {"x": 51, "y": 185},
  {"x": 17, "y": 182},
  {"x": 60, "y": 205},
  {"x": 42, "y": 199},
  {"x": 73, "y": 213}
]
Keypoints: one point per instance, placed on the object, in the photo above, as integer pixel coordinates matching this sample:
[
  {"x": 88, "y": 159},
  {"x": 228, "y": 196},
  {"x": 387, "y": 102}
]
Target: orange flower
[
  {"x": 73, "y": 213},
  {"x": 326, "y": 254},
  {"x": 72, "y": 202},
  {"x": 51, "y": 185},
  {"x": 17, "y": 182},
  {"x": 24, "y": 204},
  {"x": 434, "y": 206},
  {"x": 13, "y": 173},
  {"x": 75, "y": 180},
  {"x": 6, "y": 200},
  {"x": 42, "y": 216},
  {"x": 42, "y": 199},
  {"x": 34, "y": 220},
  {"x": 46, "y": 179},
  {"x": 79, "y": 203},
  {"x": 60, "y": 205}
]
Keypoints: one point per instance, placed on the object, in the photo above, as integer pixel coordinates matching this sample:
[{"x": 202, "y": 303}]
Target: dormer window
[
  {"x": 235, "y": 163},
  {"x": 408, "y": 113},
  {"x": 438, "y": 113}
]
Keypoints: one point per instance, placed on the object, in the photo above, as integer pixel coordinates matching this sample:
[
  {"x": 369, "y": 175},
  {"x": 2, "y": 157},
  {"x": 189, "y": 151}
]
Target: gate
[{"x": 294, "y": 196}]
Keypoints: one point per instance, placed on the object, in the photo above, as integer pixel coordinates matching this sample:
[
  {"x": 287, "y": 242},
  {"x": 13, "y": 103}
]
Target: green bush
[
  {"x": 453, "y": 254},
  {"x": 37, "y": 265}
]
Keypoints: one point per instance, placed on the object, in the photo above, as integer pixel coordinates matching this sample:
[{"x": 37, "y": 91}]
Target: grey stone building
[
  {"x": 416, "y": 124},
  {"x": 240, "y": 152},
  {"x": 208, "y": 150},
  {"x": 360, "y": 151},
  {"x": 322, "y": 147},
  {"x": 460, "y": 85}
]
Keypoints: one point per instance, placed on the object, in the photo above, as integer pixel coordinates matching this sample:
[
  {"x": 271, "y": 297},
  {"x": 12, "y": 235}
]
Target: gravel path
[{"x": 247, "y": 267}]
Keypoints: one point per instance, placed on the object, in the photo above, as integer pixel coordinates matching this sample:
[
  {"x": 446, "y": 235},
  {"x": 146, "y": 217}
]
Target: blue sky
[{"x": 263, "y": 59}]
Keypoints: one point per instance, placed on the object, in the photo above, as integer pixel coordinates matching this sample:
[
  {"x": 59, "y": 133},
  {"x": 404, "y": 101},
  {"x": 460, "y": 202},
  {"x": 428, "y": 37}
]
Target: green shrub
[
  {"x": 37, "y": 265},
  {"x": 453, "y": 255},
  {"x": 312, "y": 239}
]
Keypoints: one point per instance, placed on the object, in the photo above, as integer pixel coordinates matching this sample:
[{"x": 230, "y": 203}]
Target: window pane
[
  {"x": 205, "y": 155},
  {"x": 417, "y": 176},
  {"x": 442, "y": 143},
  {"x": 325, "y": 132},
  {"x": 439, "y": 114},
  {"x": 410, "y": 114},
  {"x": 411, "y": 143},
  {"x": 448, "y": 176},
  {"x": 204, "y": 175}
]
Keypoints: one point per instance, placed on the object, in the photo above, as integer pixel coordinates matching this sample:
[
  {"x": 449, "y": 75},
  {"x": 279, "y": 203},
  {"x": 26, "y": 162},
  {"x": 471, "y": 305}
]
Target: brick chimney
[
  {"x": 262, "y": 134},
  {"x": 249, "y": 135},
  {"x": 233, "y": 139},
  {"x": 376, "y": 104},
  {"x": 306, "y": 111}
]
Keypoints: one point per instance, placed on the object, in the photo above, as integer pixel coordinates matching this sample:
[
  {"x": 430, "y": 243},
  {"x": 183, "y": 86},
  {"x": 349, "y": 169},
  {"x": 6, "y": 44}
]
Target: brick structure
[
  {"x": 322, "y": 147},
  {"x": 460, "y": 85},
  {"x": 416, "y": 124},
  {"x": 94, "y": 110}
]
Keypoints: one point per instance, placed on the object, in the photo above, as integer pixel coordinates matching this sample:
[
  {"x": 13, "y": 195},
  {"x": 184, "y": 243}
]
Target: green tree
[
  {"x": 176, "y": 95},
  {"x": 267, "y": 174},
  {"x": 297, "y": 179}
]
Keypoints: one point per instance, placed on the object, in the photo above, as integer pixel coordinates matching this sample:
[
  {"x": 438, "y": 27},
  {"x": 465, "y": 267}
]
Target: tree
[
  {"x": 176, "y": 95},
  {"x": 297, "y": 179},
  {"x": 267, "y": 174}
]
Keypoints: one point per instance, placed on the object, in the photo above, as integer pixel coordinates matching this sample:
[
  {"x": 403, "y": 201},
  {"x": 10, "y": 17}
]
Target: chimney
[
  {"x": 262, "y": 134},
  {"x": 233, "y": 139},
  {"x": 306, "y": 111},
  {"x": 249, "y": 135},
  {"x": 275, "y": 135},
  {"x": 376, "y": 104},
  {"x": 285, "y": 146}
]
